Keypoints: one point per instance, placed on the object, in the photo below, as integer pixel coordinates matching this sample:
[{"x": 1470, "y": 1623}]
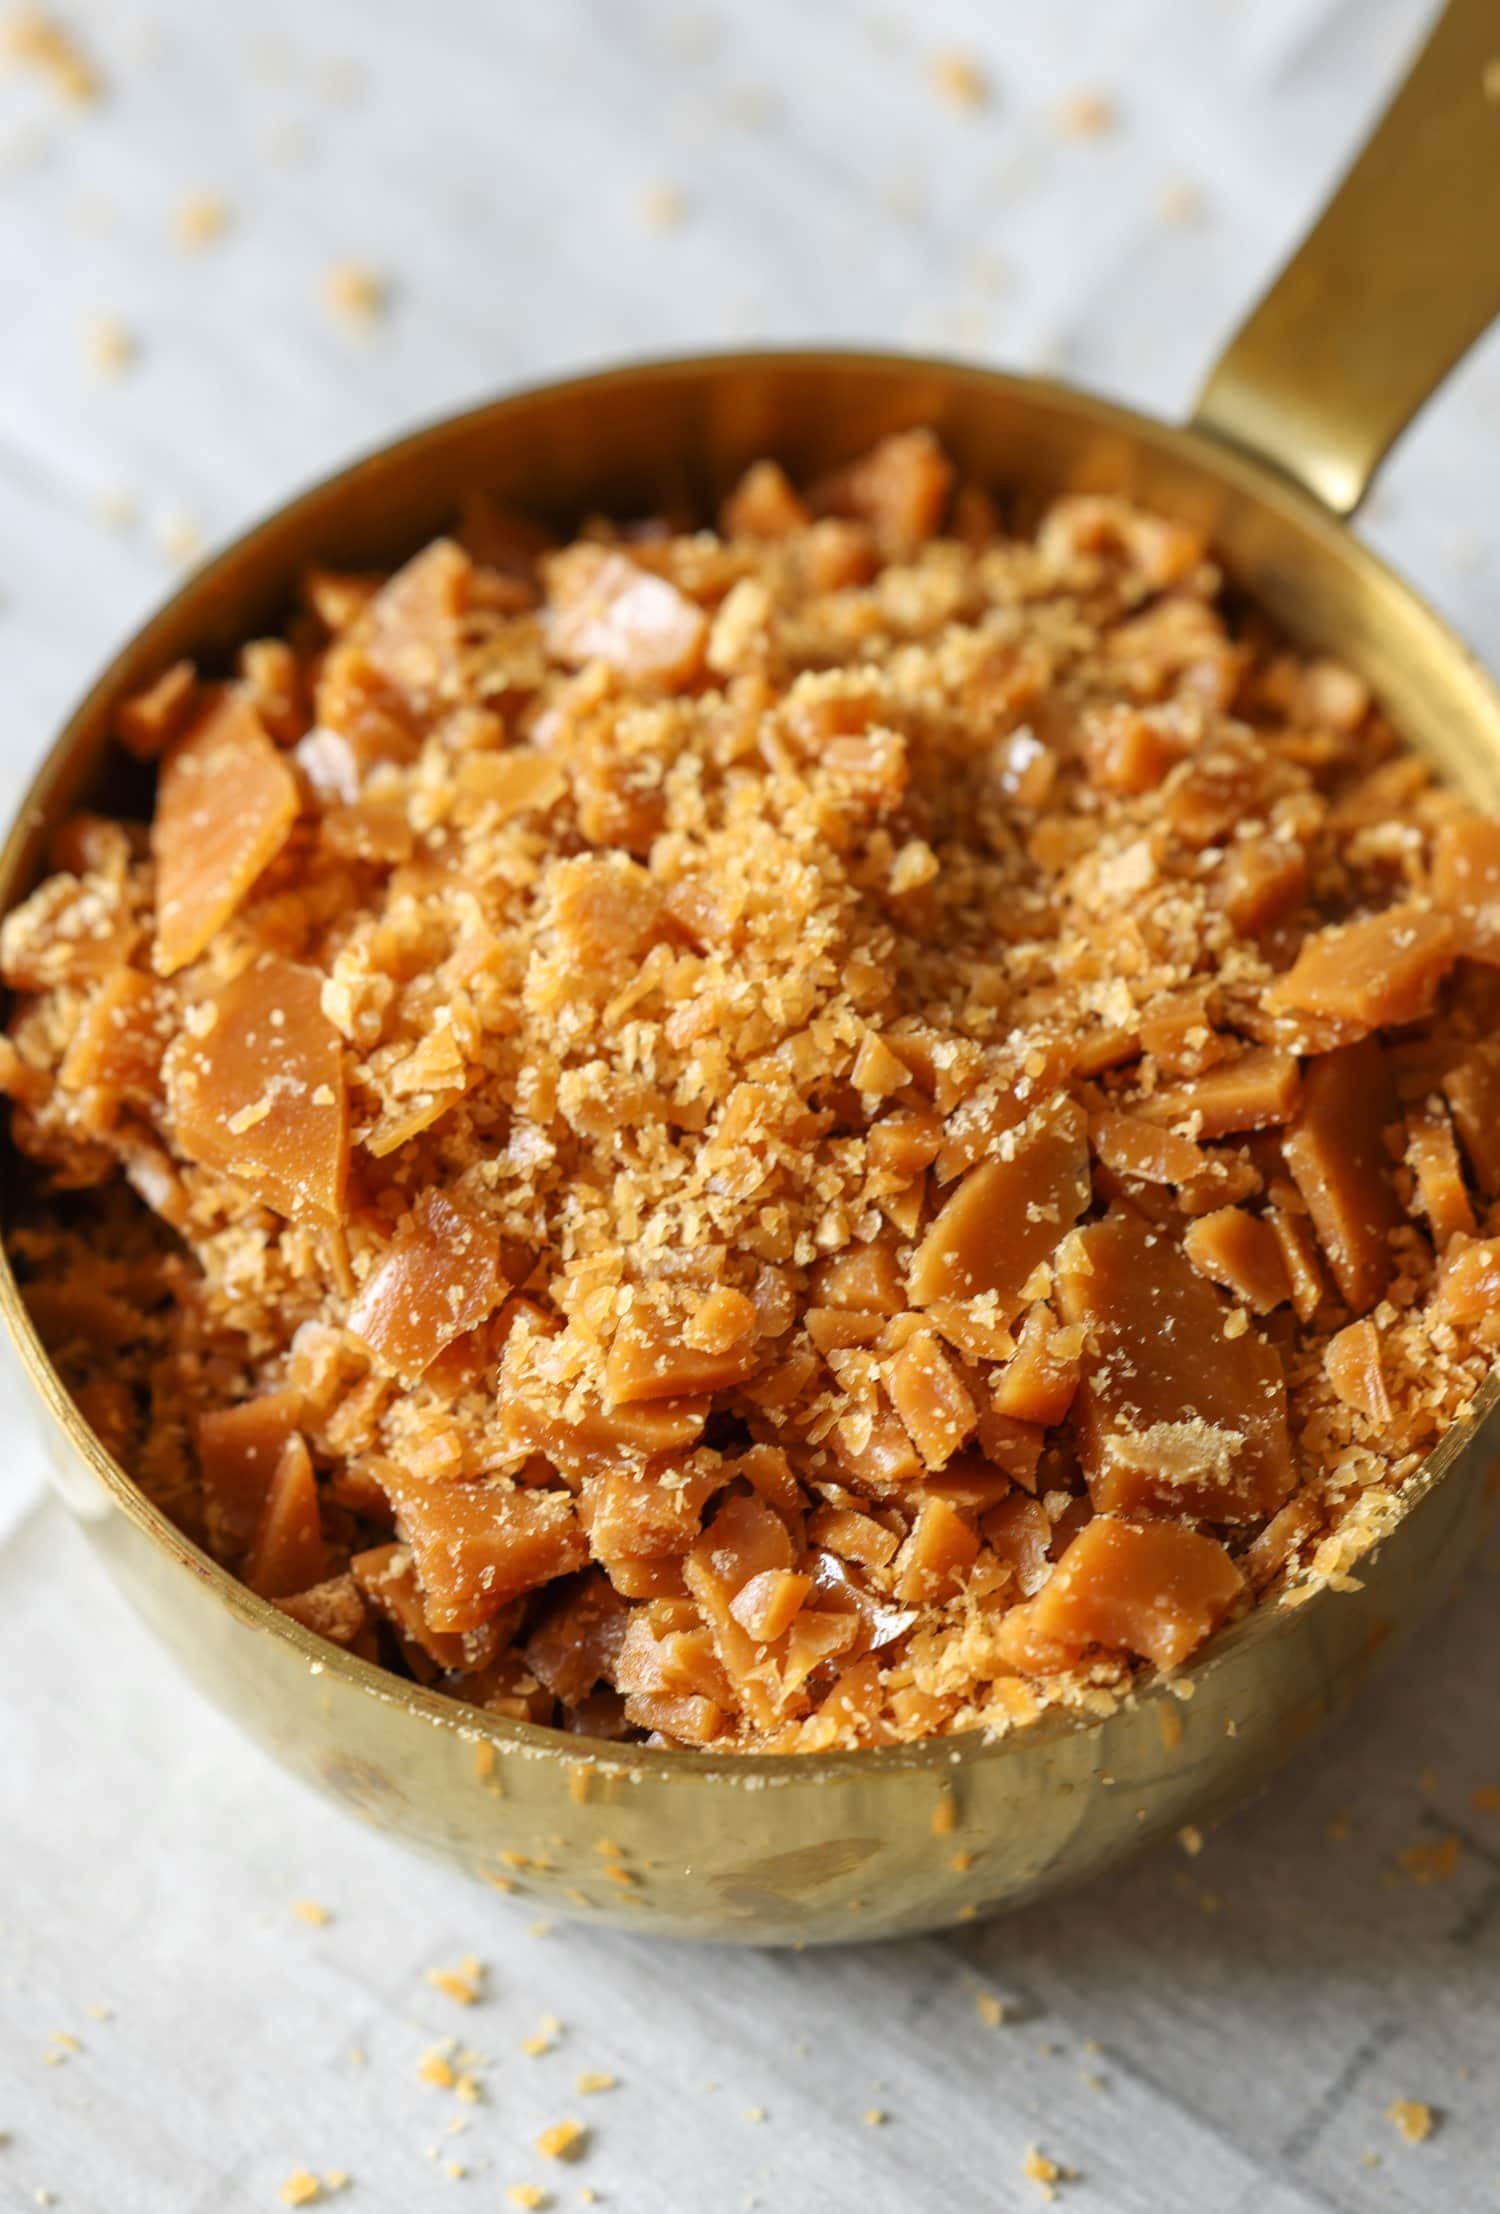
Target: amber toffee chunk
[
  {"x": 1176, "y": 1411},
  {"x": 780, "y": 1137}
]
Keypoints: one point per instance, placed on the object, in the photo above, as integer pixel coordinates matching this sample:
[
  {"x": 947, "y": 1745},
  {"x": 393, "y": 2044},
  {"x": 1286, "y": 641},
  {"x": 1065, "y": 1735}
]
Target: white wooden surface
[{"x": 1257, "y": 2008}]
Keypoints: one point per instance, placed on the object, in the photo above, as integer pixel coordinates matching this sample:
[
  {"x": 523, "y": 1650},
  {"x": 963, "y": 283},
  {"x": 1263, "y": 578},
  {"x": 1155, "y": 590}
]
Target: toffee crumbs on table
[{"x": 795, "y": 1136}]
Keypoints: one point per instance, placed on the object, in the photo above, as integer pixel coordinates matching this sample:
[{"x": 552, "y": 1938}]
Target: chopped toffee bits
[
  {"x": 1413, "y": 2119},
  {"x": 31, "y": 38},
  {"x": 788, "y": 1137},
  {"x": 111, "y": 347},
  {"x": 960, "y": 80},
  {"x": 1046, "y": 2174},
  {"x": 564, "y": 2141},
  {"x": 200, "y": 219},
  {"x": 354, "y": 293},
  {"x": 464, "y": 1985}
]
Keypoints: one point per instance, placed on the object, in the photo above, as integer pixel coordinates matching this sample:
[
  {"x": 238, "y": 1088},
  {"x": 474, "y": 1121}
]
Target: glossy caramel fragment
[
  {"x": 602, "y": 606},
  {"x": 745, "y": 1540},
  {"x": 1134, "y": 1147},
  {"x": 288, "y": 1553},
  {"x": 1355, "y": 1372},
  {"x": 763, "y": 505},
  {"x": 1472, "y": 1090},
  {"x": 853, "y": 1536},
  {"x": 865, "y": 1278},
  {"x": 651, "y": 1513},
  {"x": 501, "y": 786},
  {"x": 239, "y": 1449},
  {"x": 440, "y": 1276},
  {"x": 1335, "y": 1149},
  {"x": 1008, "y": 1215},
  {"x": 259, "y": 1093},
  {"x": 119, "y": 1042},
  {"x": 334, "y": 1610},
  {"x": 604, "y": 908},
  {"x": 1126, "y": 750},
  {"x": 146, "y": 723},
  {"x": 1382, "y": 969},
  {"x": 1299, "y": 1253},
  {"x": 477, "y": 1545},
  {"x": 582, "y": 1434},
  {"x": 1153, "y": 1588},
  {"x": 722, "y": 1319},
  {"x": 1262, "y": 884},
  {"x": 1242, "y": 1252},
  {"x": 769, "y": 1603},
  {"x": 1432, "y": 1157},
  {"x": 1254, "y": 1091},
  {"x": 1018, "y": 1533},
  {"x": 225, "y": 801},
  {"x": 1178, "y": 1032},
  {"x": 1272, "y": 1549},
  {"x": 386, "y": 1576},
  {"x": 900, "y": 488},
  {"x": 1469, "y": 1287},
  {"x": 413, "y": 625},
  {"x": 577, "y": 1642},
  {"x": 1037, "y": 1384},
  {"x": 932, "y": 1561},
  {"x": 652, "y": 1358},
  {"x": 929, "y": 1395},
  {"x": 370, "y": 830},
  {"x": 1466, "y": 883},
  {"x": 1175, "y": 1412}
]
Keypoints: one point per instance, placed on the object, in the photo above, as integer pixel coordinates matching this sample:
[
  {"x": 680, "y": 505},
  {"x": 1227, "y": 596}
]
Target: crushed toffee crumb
[
  {"x": 464, "y": 1985},
  {"x": 1086, "y": 115},
  {"x": 111, "y": 346},
  {"x": 200, "y": 219},
  {"x": 31, "y": 38},
  {"x": 960, "y": 80},
  {"x": 565, "y": 2142},
  {"x": 1414, "y": 2119},
  {"x": 355, "y": 293},
  {"x": 788, "y": 1137}
]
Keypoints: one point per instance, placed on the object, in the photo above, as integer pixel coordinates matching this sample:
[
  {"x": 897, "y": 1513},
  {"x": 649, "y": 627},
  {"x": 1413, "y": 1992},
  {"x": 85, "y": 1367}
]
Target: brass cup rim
[{"x": 1209, "y": 457}]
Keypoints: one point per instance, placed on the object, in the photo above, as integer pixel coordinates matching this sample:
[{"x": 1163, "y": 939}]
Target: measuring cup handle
[{"x": 1395, "y": 281}]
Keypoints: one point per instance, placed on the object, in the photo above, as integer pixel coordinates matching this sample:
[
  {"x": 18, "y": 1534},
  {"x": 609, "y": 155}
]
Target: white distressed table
[{"x": 1217, "y": 2035}]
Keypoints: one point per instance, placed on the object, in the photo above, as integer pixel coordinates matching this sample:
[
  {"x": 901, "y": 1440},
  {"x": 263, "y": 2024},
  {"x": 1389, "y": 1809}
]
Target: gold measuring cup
[{"x": 1399, "y": 276}]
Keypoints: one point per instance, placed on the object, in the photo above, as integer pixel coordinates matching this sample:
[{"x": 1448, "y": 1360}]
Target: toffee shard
[
  {"x": 259, "y": 1095},
  {"x": 1173, "y": 1413},
  {"x": 225, "y": 803}
]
